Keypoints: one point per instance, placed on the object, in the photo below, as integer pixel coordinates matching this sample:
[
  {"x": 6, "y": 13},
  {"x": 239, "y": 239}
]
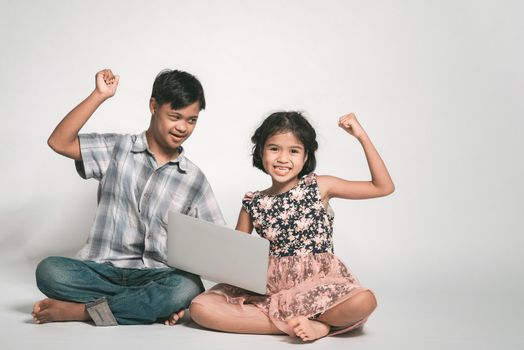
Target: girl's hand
[
  {"x": 350, "y": 124},
  {"x": 106, "y": 83}
]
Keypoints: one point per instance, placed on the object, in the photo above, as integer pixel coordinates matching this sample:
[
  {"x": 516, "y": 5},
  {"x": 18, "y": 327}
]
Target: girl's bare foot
[
  {"x": 174, "y": 318},
  {"x": 307, "y": 329},
  {"x": 52, "y": 310}
]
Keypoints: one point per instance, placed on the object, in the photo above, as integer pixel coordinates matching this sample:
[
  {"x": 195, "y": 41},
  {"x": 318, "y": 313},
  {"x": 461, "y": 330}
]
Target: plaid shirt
[{"x": 134, "y": 198}]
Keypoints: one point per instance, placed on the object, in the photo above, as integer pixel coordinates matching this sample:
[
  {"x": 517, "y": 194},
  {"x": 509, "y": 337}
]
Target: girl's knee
[
  {"x": 203, "y": 301},
  {"x": 209, "y": 303},
  {"x": 195, "y": 309},
  {"x": 367, "y": 302},
  {"x": 199, "y": 309}
]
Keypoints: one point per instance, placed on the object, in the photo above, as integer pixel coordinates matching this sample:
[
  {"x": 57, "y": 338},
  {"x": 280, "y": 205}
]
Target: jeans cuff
[{"x": 101, "y": 313}]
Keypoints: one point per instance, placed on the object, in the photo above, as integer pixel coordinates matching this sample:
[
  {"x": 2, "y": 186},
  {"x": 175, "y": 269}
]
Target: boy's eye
[{"x": 193, "y": 120}]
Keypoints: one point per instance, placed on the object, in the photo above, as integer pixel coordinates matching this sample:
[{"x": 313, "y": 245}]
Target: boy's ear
[{"x": 152, "y": 105}]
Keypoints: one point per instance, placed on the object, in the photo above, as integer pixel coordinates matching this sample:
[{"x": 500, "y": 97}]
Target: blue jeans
[{"x": 134, "y": 296}]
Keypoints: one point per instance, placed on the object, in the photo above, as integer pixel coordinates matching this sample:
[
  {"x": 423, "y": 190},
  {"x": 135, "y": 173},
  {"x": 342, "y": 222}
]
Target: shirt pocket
[{"x": 179, "y": 204}]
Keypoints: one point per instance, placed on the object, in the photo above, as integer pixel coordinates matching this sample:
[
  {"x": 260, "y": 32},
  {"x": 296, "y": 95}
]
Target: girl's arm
[
  {"x": 64, "y": 139},
  {"x": 244, "y": 223},
  {"x": 380, "y": 184}
]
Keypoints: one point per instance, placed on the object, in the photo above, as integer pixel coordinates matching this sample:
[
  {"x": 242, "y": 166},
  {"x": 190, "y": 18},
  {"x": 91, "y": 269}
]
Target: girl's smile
[{"x": 280, "y": 170}]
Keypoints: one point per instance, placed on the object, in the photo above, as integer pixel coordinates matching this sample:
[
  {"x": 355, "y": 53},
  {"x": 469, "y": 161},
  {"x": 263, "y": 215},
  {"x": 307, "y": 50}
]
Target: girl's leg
[
  {"x": 345, "y": 314},
  {"x": 351, "y": 311},
  {"x": 214, "y": 312}
]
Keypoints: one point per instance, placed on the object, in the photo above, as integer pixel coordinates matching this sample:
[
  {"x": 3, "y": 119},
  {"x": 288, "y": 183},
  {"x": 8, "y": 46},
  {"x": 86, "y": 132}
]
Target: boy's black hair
[
  {"x": 282, "y": 122},
  {"x": 178, "y": 88}
]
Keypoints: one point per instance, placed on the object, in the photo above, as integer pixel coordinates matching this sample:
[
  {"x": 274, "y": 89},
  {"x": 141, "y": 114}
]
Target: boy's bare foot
[
  {"x": 307, "y": 329},
  {"x": 52, "y": 310},
  {"x": 174, "y": 318}
]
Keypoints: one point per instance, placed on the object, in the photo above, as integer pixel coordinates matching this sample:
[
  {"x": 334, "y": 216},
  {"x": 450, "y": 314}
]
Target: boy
[{"x": 121, "y": 275}]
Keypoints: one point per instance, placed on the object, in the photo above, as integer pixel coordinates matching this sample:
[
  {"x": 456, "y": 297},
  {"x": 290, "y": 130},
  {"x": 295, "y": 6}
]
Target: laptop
[{"x": 217, "y": 253}]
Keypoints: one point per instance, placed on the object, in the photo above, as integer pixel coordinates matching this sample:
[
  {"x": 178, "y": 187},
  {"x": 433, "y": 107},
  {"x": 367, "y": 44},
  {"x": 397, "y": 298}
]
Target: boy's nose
[{"x": 181, "y": 127}]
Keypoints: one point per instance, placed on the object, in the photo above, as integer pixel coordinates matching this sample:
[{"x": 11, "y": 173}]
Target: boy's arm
[{"x": 64, "y": 139}]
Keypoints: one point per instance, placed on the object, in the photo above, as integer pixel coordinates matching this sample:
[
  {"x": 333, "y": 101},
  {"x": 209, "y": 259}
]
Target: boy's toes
[{"x": 174, "y": 318}]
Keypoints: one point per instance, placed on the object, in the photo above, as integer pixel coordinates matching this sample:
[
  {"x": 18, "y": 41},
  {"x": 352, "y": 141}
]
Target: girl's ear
[{"x": 305, "y": 158}]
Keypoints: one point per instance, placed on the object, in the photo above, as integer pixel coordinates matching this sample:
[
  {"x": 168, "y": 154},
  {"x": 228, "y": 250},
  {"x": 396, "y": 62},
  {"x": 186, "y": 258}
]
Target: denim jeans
[{"x": 134, "y": 296}]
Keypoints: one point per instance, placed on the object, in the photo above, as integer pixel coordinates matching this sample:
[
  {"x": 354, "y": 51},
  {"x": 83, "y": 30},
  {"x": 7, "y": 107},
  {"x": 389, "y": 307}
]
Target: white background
[{"x": 437, "y": 85}]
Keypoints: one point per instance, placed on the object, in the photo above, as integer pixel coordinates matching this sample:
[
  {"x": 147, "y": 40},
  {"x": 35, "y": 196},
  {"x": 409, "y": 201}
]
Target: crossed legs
[
  {"x": 133, "y": 296},
  {"x": 213, "y": 311}
]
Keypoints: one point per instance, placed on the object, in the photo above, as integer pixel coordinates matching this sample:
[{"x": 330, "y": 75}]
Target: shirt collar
[{"x": 141, "y": 145}]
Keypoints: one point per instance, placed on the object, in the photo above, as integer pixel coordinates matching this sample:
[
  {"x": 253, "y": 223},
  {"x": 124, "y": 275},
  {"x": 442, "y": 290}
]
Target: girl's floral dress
[{"x": 304, "y": 276}]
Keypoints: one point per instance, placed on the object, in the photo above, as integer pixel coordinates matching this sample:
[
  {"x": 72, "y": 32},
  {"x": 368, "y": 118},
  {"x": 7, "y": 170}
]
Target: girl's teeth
[{"x": 282, "y": 170}]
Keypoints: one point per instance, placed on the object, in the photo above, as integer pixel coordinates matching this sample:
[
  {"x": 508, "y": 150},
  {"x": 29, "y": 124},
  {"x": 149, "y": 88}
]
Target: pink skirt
[{"x": 299, "y": 286}]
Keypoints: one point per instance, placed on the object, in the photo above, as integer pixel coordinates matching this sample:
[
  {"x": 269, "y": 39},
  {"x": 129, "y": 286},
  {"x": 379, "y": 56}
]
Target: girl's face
[{"x": 283, "y": 158}]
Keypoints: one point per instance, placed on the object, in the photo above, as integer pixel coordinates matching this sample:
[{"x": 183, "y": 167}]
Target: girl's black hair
[
  {"x": 282, "y": 122},
  {"x": 178, "y": 88}
]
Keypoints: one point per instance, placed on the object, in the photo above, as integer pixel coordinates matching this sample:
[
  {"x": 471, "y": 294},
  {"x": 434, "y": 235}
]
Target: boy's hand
[
  {"x": 350, "y": 124},
  {"x": 106, "y": 83}
]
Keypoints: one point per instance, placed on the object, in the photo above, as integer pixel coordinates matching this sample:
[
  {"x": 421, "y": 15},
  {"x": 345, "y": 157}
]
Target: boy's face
[{"x": 171, "y": 127}]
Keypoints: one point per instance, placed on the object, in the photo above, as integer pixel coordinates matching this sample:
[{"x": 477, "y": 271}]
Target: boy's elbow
[
  {"x": 55, "y": 145},
  {"x": 60, "y": 147}
]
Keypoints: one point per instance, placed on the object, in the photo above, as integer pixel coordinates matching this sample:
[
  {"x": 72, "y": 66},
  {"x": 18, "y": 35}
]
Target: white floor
[{"x": 404, "y": 320}]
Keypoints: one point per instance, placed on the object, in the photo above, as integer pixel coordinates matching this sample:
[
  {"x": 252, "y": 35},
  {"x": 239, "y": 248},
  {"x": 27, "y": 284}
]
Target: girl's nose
[{"x": 282, "y": 158}]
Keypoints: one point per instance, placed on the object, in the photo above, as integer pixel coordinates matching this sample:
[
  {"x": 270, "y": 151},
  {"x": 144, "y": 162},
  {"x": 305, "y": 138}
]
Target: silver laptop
[{"x": 217, "y": 253}]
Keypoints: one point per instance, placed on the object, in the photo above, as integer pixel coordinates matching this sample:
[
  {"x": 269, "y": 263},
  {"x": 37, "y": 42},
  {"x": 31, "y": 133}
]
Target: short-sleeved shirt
[{"x": 134, "y": 198}]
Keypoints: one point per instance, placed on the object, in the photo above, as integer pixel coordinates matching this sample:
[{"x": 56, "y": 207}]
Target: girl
[{"x": 311, "y": 293}]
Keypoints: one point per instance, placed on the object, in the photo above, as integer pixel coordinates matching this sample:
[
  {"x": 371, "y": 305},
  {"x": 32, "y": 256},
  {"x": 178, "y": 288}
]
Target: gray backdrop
[{"x": 437, "y": 85}]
